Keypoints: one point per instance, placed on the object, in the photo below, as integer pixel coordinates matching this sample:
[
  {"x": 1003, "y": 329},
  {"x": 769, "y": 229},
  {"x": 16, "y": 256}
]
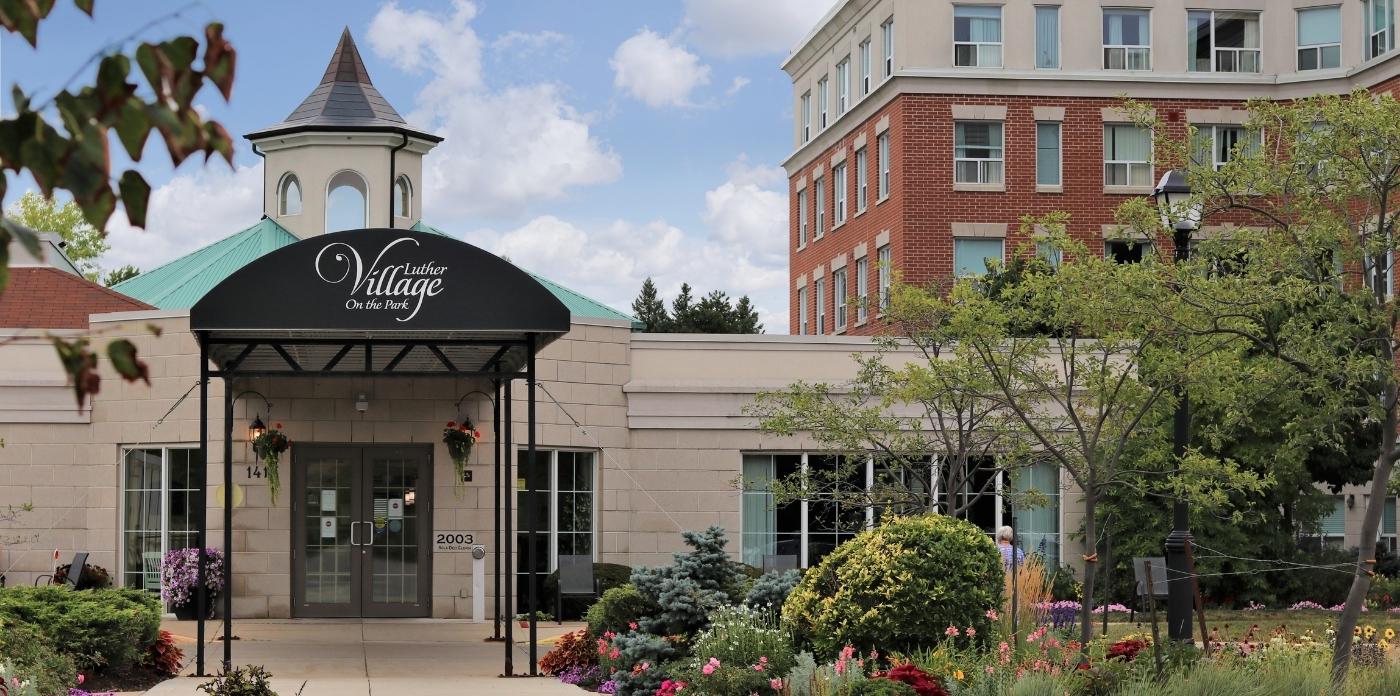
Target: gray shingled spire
[{"x": 344, "y": 100}]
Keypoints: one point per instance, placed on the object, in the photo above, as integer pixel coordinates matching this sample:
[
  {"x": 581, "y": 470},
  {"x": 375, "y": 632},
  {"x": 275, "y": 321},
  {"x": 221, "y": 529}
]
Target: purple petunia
[
  {"x": 608, "y": 687},
  {"x": 179, "y": 573}
]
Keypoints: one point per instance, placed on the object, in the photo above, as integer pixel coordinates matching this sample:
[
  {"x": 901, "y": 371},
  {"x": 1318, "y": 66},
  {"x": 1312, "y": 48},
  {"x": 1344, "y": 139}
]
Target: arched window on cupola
[
  {"x": 403, "y": 197},
  {"x": 347, "y": 198},
  {"x": 289, "y": 195}
]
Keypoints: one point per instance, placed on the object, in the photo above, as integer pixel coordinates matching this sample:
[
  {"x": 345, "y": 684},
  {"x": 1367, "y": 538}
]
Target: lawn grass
[{"x": 1233, "y": 624}]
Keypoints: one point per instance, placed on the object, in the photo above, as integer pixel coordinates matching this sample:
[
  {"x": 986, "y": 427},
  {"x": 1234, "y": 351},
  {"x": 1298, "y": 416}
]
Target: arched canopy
[{"x": 376, "y": 302}]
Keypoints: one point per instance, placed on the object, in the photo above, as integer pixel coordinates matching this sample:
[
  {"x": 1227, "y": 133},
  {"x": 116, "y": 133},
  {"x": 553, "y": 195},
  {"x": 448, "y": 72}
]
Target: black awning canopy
[{"x": 376, "y": 302}]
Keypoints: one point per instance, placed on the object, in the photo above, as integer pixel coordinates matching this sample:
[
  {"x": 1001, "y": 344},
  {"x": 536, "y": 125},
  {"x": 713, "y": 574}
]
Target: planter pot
[
  {"x": 189, "y": 610},
  {"x": 524, "y": 624}
]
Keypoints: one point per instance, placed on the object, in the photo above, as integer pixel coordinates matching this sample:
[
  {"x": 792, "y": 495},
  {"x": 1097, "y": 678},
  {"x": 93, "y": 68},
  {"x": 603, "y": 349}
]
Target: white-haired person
[{"x": 1006, "y": 543}]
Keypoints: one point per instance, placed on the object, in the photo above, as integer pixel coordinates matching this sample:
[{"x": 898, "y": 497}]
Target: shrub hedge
[
  {"x": 898, "y": 587},
  {"x": 28, "y": 652},
  {"x": 616, "y": 609},
  {"x": 97, "y": 628}
]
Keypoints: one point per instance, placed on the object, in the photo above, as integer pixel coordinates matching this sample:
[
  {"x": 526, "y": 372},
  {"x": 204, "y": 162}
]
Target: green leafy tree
[
  {"x": 117, "y": 275},
  {"x": 1316, "y": 208},
  {"x": 649, "y": 309},
  {"x": 62, "y": 142},
  {"x": 84, "y": 243}
]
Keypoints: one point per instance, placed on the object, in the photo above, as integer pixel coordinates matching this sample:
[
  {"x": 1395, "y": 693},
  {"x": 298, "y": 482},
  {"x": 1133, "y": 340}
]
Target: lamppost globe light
[{"x": 1174, "y": 202}]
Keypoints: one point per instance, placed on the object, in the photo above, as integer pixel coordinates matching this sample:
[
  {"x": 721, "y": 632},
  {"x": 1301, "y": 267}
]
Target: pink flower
[
  {"x": 632, "y": 625},
  {"x": 776, "y": 683},
  {"x": 848, "y": 652},
  {"x": 81, "y": 679},
  {"x": 840, "y": 667},
  {"x": 707, "y": 670},
  {"x": 1003, "y": 647},
  {"x": 614, "y": 654},
  {"x": 951, "y": 631},
  {"x": 991, "y": 669},
  {"x": 971, "y": 631},
  {"x": 993, "y": 615},
  {"x": 758, "y": 668}
]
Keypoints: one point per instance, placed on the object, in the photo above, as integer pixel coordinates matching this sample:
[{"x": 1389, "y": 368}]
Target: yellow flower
[
  {"x": 1390, "y": 634},
  {"x": 1385, "y": 644},
  {"x": 958, "y": 675},
  {"x": 1356, "y": 631},
  {"x": 1369, "y": 632}
]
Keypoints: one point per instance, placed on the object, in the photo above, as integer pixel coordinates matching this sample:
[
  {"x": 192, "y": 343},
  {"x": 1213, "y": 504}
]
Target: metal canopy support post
[
  {"x": 496, "y": 541},
  {"x": 228, "y": 525},
  {"x": 530, "y": 499},
  {"x": 507, "y": 486},
  {"x": 202, "y": 509}
]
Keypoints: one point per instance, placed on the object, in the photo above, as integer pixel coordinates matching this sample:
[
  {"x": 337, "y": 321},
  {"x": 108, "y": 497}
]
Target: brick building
[{"x": 925, "y": 129}]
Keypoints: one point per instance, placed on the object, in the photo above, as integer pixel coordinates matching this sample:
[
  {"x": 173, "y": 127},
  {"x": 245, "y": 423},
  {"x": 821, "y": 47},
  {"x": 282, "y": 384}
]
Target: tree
[
  {"x": 117, "y": 275},
  {"x": 1317, "y": 228},
  {"x": 649, "y": 309},
  {"x": 84, "y": 244},
  {"x": 73, "y": 155}
]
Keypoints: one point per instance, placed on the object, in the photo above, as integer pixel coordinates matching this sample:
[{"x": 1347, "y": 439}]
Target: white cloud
[
  {"x": 519, "y": 43},
  {"x": 186, "y": 213},
  {"x": 657, "y": 71},
  {"x": 739, "y": 83},
  {"x": 734, "y": 28},
  {"x": 742, "y": 251},
  {"x": 504, "y": 148}
]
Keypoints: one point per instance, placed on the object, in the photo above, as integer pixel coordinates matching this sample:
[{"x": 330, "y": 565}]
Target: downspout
[
  {"x": 263, "y": 155},
  {"x": 393, "y": 158}
]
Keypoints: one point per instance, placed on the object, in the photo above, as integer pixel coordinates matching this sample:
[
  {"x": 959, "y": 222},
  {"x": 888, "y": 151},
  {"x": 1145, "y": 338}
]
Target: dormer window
[
  {"x": 403, "y": 197},
  {"x": 289, "y": 195},
  {"x": 346, "y": 202}
]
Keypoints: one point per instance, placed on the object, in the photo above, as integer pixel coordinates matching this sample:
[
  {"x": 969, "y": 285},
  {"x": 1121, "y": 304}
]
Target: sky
[{"x": 595, "y": 142}]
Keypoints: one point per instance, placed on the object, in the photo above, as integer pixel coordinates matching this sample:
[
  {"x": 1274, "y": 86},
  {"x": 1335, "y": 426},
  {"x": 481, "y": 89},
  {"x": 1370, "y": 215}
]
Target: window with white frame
[
  {"x": 1221, "y": 41},
  {"x": 1047, "y": 252},
  {"x": 160, "y": 500},
  {"x": 862, "y": 288},
  {"x": 882, "y": 151},
  {"x": 862, "y": 179},
  {"x": 1319, "y": 38},
  {"x": 820, "y": 288},
  {"x": 806, "y": 116},
  {"x": 977, "y": 36},
  {"x": 840, "y": 301},
  {"x": 1047, "y": 37},
  {"x": 977, "y": 153},
  {"x": 1332, "y": 528},
  {"x": 1127, "y": 39},
  {"x": 802, "y": 327},
  {"x": 1047, "y": 153},
  {"x": 1386, "y": 274},
  {"x": 1388, "y": 531},
  {"x": 819, "y": 190},
  {"x": 1217, "y": 145},
  {"x": 289, "y": 195},
  {"x": 971, "y": 255},
  {"x": 822, "y": 101},
  {"x": 1127, "y": 250},
  {"x": 843, "y": 85},
  {"x": 838, "y": 189},
  {"x": 886, "y": 271},
  {"x": 563, "y": 481},
  {"x": 887, "y": 45},
  {"x": 1380, "y": 27},
  {"x": 806, "y": 529},
  {"x": 865, "y": 67},
  {"x": 1037, "y": 528},
  {"x": 1127, "y": 155},
  {"x": 802, "y": 218}
]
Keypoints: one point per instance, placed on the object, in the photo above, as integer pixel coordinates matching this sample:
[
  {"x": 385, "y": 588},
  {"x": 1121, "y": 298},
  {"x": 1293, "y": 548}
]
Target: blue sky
[{"x": 594, "y": 142}]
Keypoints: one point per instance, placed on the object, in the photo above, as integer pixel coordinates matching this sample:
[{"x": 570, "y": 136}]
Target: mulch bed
[{"x": 135, "y": 678}]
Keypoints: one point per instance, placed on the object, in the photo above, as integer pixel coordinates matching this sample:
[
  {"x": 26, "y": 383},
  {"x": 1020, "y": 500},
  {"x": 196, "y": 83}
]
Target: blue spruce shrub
[
  {"x": 688, "y": 591},
  {"x": 772, "y": 588},
  {"x": 641, "y": 664}
]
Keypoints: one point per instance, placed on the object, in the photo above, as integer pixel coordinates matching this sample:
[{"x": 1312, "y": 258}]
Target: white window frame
[
  {"x": 1127, "y": 50},
  {"x": 819, "y": 196},
  {"x": 823, "y": 97},
  {"x": 1059, "y": 148},
  {"x": 843, "y": 86},
  {"x": 1211, "y": 134},
  {"x": 887, "y": 38},
  {"x": 802, "y": 325},
  {"x": 1316, "y": 49},
  {"x": 839, "y": 297},
  {"x": 553, "y": 541},
  {"x": 1128, "y": 165},
  {"x": 862, "y": 181},
  {"x": 1216, "y": 51},
  {"x": 819, "y": 287},
  {"x": 1059, "y": 39},
  {"x": 865, "y": 67},
  {"x": 801, "y": 217},
  {"x": 838, "y": 190},
  {"x": 164, "y": 531},
  {"x": 1368, "y": 265},
  {"x": 807, "y": 116},
  {"x": 983, "y": 163},
  {"x": 882, "y": 155},
  {"x": 862, "y": 288},
  {"x": 978, "y": 46},
  {"x": 1379, "y": 41},
  {"x": 885, "y": 258}
]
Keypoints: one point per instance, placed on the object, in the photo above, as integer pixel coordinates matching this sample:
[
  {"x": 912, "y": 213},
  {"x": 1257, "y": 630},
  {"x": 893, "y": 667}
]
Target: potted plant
[
  {"x": 459, "y": 438},
  {"x": 179, "y": 575},
  {"x": 524, "y": 619},
  {"x": 94, "y": 577},
  {"x": 269, "y": 446}
]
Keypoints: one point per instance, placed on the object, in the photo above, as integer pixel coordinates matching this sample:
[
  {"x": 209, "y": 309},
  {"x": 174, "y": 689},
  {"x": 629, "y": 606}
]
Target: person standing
[{"x": 1010, "y": 554}]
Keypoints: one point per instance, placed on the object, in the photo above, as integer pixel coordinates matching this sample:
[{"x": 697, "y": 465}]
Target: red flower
[
  {"x": 924, "y": 684},
  {"x": 451, "y": 424},
  {"x": 278, "y": 426}
]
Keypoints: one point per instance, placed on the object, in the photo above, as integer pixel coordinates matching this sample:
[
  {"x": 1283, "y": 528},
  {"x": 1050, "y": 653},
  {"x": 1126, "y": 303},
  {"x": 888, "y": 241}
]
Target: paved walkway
[{"x": 383, "y": 657}]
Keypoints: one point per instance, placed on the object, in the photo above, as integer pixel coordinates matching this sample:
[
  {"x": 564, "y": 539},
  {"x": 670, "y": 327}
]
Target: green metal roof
[
  {"x": 579, "y": 305},
  {"x": 182, "y": 282}
]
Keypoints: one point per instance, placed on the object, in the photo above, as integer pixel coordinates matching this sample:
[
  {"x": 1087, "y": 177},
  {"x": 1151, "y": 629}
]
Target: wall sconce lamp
[{"x": 257, "y": 427}]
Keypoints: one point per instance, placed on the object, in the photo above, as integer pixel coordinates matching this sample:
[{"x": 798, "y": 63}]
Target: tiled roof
[
  {"x": 345, "y": 99},
  {"x": 43, "y": 297},
  {"x": 579, "y": 305},
  {"x": 180, "y": 283}
]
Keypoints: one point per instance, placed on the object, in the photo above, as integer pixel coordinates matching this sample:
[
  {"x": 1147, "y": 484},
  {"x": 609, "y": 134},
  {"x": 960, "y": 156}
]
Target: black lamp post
[{"x": 1182, "y": 215}]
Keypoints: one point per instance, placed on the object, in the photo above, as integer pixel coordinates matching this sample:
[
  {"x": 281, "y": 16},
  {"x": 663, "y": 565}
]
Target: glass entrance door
[{"x": 361, "y": 523}]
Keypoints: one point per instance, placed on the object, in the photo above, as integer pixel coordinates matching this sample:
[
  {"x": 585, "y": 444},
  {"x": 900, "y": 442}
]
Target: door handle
[
  {"x": 371, "y": 535},
  {"x": 353, "y": 526}
]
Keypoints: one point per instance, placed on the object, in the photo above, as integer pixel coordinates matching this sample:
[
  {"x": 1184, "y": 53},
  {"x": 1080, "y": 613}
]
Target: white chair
[{"x": 150, "y": 570}]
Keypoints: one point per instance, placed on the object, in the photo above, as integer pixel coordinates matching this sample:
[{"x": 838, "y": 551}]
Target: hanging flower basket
[
  {"x": 459, "y": 438},
  {"x": 269, "y": 447}
]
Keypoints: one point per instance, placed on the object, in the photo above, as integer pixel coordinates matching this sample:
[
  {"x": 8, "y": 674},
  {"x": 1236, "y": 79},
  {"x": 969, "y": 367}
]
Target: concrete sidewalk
[{"x": 383, "y": 657}]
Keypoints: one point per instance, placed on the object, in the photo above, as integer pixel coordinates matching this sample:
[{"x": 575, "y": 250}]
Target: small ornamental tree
[
  {"x": 899, "y": 587},
  {"x": 698, "y": 583}
]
